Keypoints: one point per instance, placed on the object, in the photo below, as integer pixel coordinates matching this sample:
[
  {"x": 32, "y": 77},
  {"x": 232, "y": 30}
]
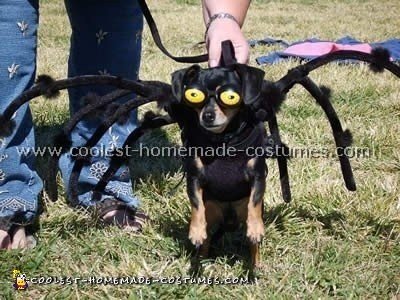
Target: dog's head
[{"x": 217, "y": 94}]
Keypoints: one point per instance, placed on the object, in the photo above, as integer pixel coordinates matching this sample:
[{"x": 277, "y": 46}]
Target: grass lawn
[{"x": 328, "y": 243}]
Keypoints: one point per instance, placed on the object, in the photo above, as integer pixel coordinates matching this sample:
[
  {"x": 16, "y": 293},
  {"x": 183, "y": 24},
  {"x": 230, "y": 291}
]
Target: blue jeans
[{"x": 106, "y": 38}]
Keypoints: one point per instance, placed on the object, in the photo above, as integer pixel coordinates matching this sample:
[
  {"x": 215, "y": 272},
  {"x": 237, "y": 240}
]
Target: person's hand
[{"x": 221, "y": 30}]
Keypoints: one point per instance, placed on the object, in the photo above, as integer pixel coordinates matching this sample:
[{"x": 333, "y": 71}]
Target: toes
[
  {"x": 197, "y": 241},
  {"x": 5, "y": 241},
  {"x": 197, "y": 236},
  {"x": 19, "y": 238},
  {"x": 255, "y": 232}
]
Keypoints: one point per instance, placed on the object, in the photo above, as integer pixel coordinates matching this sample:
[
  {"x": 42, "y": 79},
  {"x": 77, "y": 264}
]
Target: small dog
[{"x": 225, "y": 189}]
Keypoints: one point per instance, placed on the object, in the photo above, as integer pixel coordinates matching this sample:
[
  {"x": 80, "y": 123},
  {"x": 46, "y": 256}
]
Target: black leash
[
  {"x": 227, "y": 56},
  {"x": 157, "y": 39}
]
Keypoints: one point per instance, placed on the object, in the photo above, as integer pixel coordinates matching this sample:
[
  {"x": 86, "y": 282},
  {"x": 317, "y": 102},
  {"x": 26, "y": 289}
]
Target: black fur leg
[
  {"x": 282, "y": 161},
  {"x": 100, "y": 131},
  {"x": 49, "y": 88},
  {"x": 379, "y": 60},
  {"x": 342, "y": 138},
  {"x": 93, "y": 107},
  {"x": 50, "y": 184},
  {"x": 6, "y": 126},
  {"x": 117, "y": 159}
]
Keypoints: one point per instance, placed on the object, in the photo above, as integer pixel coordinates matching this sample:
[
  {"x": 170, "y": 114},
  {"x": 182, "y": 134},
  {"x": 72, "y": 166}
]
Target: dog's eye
[
  {"x": 194, "y": 95},
  {"x": 229, "y": 97}
]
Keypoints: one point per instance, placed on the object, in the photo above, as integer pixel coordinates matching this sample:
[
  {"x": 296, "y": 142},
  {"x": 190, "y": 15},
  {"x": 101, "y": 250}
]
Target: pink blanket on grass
[{"x": 321, "y": 48}]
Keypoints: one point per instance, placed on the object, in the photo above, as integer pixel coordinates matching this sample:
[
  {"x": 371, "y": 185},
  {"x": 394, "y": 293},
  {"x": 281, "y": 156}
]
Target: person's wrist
[{"x": 220, "y": 16}]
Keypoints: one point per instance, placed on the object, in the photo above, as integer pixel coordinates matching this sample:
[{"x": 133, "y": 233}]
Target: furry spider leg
[
  {"x": 343, "y": 139},
  {"x": 150, "y": 122},
  {"x": 266, "y": 110},
  {"x": 379, "y": 60},
  {"x": 48, "y": 87},
  {"x": 96, "y": 102},
  {"x": 62, "y": 141},
  {"x": 100, "y": 131},
  {"x": 281, "y": 158},
  {"x": 94, "y": 105}
]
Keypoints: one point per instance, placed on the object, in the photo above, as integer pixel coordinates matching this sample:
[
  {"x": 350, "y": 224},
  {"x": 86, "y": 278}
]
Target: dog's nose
[{"x": 209, "y": 117}]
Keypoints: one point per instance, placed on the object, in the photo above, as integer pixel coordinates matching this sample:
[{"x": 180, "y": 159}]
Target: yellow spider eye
[
  {"x": 229, "y": 97},
  {"x": 194, "y": 96}
]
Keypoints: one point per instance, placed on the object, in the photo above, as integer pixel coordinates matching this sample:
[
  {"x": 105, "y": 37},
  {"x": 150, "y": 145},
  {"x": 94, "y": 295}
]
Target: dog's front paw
[
  {"x": 255, "y": 231},
  {"x": 197, "y": 234}
]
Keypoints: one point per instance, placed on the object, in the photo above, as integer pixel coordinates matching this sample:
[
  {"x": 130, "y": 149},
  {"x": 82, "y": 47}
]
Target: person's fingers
[
  {"x": 221, "y": 30},
  {"x": 5, "y": 241},
  {"x": 19, "y": 238},
  {"x": 214, "y": 54},
  {"x": 242, "y": 53}
]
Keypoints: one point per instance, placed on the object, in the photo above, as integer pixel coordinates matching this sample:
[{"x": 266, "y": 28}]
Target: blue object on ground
[{"x": 392, "y": 45}]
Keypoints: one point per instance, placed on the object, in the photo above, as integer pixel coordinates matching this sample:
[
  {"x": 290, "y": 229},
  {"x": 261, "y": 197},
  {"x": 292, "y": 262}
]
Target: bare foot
[
  {"x": 5, "y": 241},
  {"x": 19, "y": 238},
  {"x": 16, "y": 239}
]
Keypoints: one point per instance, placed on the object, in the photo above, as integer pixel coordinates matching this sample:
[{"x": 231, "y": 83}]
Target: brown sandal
[{"x": 125, "y": 217}]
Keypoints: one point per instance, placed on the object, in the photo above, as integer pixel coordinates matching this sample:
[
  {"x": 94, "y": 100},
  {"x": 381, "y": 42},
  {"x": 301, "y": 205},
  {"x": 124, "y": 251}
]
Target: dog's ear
[
  {"x": 252, "y": 82},
  {"x": 182, "y": 77}
]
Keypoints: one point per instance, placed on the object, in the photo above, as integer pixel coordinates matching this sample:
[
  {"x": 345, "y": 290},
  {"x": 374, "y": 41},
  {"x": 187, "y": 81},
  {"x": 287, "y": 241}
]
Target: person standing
[{"x": 106, "y": 39}]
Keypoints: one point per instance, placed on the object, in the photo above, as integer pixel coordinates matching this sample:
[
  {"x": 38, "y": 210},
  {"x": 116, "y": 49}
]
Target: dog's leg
[
  {"x": 254, "y": 255},
  {"x": 255, "y": 225},
  {"x": 214, "y": 215},
  {"x": 255, "y": 229},
  {"x": 198, "y": 224}
]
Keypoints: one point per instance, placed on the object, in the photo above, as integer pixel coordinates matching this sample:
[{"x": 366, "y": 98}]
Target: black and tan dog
[{"x": 225, "y": 177}]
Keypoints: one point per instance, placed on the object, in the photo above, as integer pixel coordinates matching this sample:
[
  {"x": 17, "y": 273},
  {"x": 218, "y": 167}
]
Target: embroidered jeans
[{"x": 106, "y": 39}]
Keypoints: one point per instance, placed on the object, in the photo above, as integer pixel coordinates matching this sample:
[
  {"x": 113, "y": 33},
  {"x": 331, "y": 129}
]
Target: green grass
[{"x": 328, "y": 243}]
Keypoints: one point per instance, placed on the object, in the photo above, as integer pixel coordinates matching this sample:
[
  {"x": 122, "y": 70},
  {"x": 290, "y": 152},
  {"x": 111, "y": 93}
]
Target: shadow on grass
[
  {"x": 281, "y": 214},
  {"x": 388, "y": 229},
  {"x": 230, "y": 247},
  {"x": 333, "y": 222},
  {"x": 144, "y": 165},
  {"x": 233, "y": 247}
]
